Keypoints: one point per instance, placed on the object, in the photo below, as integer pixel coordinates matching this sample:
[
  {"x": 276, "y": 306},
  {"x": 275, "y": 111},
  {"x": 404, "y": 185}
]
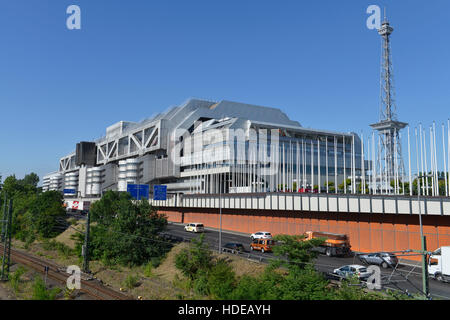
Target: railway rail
[{"x": 89, "y": 286}]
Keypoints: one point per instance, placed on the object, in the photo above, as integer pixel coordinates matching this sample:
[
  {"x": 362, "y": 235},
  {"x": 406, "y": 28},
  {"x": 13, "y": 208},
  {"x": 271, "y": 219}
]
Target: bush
[
  {"x": 126, "y": 232},
  {"x": 195, "y": 259},
  {"x": 40, "y": 292},
  {"x": 200, "y": 284},
  {"x": 221, "y": 280},
  {"x": 148, "y": 270},
  {"x": 131, "y": 281},
  {"x": 155, "y": 261},
  {"x": 15, "y": 278},
  {"x": 62, "y": 248},
  {"x": 248, "y": 288}
]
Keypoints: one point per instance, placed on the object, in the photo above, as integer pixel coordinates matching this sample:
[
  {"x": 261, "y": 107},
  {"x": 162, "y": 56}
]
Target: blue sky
[{"x": 316, "y": 60}]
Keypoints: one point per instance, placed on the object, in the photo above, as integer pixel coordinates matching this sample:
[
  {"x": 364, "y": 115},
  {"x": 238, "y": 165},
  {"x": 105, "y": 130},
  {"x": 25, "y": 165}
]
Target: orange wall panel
[{"x": 367, "y": 232}]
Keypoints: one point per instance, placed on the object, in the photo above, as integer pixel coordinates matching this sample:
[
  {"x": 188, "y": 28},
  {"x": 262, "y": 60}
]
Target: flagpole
[
  {"x": 345, "y": 169},
  {"x": 335, "y": 166},
  {"x": 409, "y": 164},
  {"x": 426, "y": 160},
  {"x": 417, "y": 162},
  {"x": 369, "y": 166},
  {"x": 445, "y": 160},
  {"x": 363, "y": 172},
  {"x": 435, "y": 159},
  {"x": 422, "y": 160},
  {"x": 374, "y": 166},
  {"x": 318, "y": 164},
  {"x": 326, "y": 160},
  {"x": 433, "y": 183},
  {"x": 312, "y": 166}
]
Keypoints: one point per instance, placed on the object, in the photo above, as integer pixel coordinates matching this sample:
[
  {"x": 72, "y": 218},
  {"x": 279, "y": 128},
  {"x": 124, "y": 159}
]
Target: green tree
[
  {"x": 125, "y": 231},
  {"x": 331, "y": 187},
  {"x": 34, "y": 213},
  {"x": 31, "y": 179},
  {"x": 44, "y": 213},
  {"x": 296, "y": 250},
  {"x": 348, "y": 183},
  {"x": 194, "y": 259},
  {"x": 362, "y": 185},
  {"x": 221, "y": 280}
]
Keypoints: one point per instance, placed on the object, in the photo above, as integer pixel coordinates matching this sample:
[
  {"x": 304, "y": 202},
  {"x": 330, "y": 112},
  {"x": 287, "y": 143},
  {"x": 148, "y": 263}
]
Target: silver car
[
  {"x": 383, "y": 259},
  {"x": 352, "y": 270}
]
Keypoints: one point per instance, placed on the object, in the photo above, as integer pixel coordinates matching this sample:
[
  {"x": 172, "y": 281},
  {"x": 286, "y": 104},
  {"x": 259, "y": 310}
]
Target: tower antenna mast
[{"x": 388, "y": 127}]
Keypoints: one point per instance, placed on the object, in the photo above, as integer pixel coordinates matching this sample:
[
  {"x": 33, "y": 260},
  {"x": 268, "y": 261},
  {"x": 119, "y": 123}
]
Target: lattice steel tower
[{"x": 390, "y": 159}]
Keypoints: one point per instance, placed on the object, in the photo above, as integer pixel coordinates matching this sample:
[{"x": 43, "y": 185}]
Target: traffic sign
[
  {"x": 159, "y": 192},
  {"x": 69, "y": 191},
  {"x": 138, "y": 191}
]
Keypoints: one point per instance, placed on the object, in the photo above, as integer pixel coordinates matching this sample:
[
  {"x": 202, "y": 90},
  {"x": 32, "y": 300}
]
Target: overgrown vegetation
[
  {"x": 125, "y": 231},
  {"x": 40, "y": 292},
  {"x": 62, "y": 248},
  {"x": 36, "y": 214},
  {"x": 15, "y": 278},
  {"x": 131, "y": 281},
  {"x": 291, "y": 278}
]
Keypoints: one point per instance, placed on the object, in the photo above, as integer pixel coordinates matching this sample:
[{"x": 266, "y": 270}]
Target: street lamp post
[
  {"x": 425, "y": 283},
  {"x": 220, "y": 220}
]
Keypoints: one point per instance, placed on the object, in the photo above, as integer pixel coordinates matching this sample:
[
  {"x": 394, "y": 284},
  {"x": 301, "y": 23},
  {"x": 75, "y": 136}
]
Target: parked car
[
  {"x": 383, "y": 259},
  {"x": 194, "y": 227},
  {"x": 263, "y": 245},
  {"x": 171, "y": 238},
  {"x": 234, "y": 247},
  {"x": 349, "y": 271},
  {"x": 261, "y": 235}
]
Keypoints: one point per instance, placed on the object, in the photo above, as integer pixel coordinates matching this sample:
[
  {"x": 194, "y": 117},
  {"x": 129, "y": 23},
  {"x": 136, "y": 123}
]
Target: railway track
[{"x": 89, "y": 286}]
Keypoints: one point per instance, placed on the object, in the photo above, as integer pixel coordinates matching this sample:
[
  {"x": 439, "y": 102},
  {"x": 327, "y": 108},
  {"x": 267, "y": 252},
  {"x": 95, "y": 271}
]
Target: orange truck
[{"x": 335, "y": 244}]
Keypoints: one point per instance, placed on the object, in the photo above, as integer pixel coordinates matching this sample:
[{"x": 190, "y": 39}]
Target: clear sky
[{"x": 316, "y": 60}]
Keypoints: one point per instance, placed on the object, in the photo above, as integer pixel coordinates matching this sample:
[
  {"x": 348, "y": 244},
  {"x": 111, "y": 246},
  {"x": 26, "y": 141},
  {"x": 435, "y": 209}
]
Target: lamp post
[
  {"x": 425, "y": 283},
  {"x": 220, "y": 220}
]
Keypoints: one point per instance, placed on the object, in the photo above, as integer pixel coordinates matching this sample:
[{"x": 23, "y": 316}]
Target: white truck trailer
[
  {"x": 439, "y": 264},
  {"x": 77, "y": 205}
]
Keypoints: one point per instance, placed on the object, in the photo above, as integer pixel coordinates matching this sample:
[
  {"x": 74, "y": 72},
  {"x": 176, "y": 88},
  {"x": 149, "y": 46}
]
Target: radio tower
[{"x": 388, "y": 127}]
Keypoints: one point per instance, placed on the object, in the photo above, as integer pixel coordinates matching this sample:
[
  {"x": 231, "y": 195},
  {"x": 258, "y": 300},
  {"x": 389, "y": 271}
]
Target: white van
[
  {"x": 194, "y": 227},
  {"x": 439, "y": 264}
]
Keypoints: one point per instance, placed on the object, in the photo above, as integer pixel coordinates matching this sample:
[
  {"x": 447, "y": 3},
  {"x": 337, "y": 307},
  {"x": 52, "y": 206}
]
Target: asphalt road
[{"x": 404, "y": 278}]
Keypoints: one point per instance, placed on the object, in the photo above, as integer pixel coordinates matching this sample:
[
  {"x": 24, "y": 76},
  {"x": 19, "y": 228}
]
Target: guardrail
[{"x": 323, "y": 202}]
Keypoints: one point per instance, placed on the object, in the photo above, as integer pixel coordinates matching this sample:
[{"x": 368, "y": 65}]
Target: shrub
[
  {"x": 221, "y": 280},
  {"x": 15, "y": 278},
  {"x": 200, "y": 284},
  {"x": 131, "y": 281},
  {"x": 62, "y": 248},
  {"x": 155, "y": 261},
  {"x": 126, "y": 231},
  {"x": 194, "y": 259},
  {"x": 148, "y": 270},
  {"x": 40, "y": 292}
]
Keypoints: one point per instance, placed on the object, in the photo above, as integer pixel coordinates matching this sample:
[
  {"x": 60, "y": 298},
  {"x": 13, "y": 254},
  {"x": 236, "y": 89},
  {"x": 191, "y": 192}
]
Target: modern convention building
[{"x": 212, "y": 147}]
